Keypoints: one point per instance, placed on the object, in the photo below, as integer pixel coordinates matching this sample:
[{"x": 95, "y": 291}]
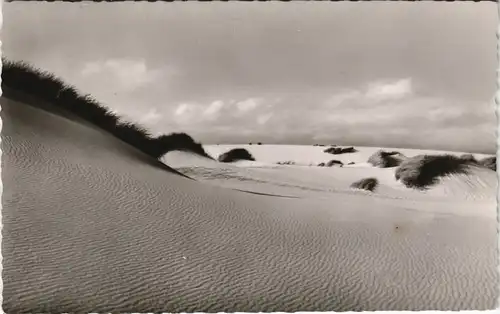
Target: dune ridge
[
  {"x": 90, "y": 225},
  {"x": 20, "y": 77}
]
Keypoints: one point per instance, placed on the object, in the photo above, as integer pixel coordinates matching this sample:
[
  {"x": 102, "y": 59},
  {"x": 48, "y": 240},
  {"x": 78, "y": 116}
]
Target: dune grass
[
  {"x": 340, "y": 150},
  {"x": 469, "y": 158},
  {"x": 333, "y": 162},
  {"x": 288, "y": 162},
  {"x": 423, "y": 171},
  {"x": 368, "y": 184},
  {"x": 19, "y": 76},
  {"x": 236, "y": 154},
  {"x": 383, "y": 159},
  {"x": 489, "y": 162},
  {"x": 181, "y": 142}
]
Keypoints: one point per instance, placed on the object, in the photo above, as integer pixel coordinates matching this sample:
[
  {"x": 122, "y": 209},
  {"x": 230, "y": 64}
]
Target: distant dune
[
  {"x": 301, "y": 168},
  {"x": 94, "y": 222}
]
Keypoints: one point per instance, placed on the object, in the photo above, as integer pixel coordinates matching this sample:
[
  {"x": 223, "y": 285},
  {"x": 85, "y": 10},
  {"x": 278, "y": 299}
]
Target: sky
[{"x": 393, "y": 74}]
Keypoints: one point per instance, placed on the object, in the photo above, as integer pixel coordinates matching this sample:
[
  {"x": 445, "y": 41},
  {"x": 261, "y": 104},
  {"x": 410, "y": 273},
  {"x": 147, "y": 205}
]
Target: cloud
[
  {"x": 384, "y": 113},
  {"x": 341, "y": 98},
  {"x": 382, "y": 91},
  {"x": 249, "y": 104},
  {"x": 399, "y": 109},
  {"x": 263, "y": 119},
  {"x": 376, "y": 92},
  {"x": 214, "y": 109},
  {"x": 120, "y": 74},
  {"x": 185, "y": 110},
  {"x": 223, "y": 111},
  {"x": 151, "y": 117}
]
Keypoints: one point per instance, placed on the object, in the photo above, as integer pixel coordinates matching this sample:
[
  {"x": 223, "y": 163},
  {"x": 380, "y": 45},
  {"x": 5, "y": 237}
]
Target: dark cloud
[{"x": 312, "y": 65}]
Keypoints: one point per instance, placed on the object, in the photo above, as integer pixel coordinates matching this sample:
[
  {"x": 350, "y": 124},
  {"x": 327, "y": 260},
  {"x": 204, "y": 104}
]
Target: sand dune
[
  {"x": 91, "y": 224},
  {"x": 479, "y": 183},
  {"x": 305, "y": 155}
]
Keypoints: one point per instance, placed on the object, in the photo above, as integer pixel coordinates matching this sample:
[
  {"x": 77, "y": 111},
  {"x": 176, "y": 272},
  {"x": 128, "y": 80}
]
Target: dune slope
[
  {"x": 20, "y": 78},
  {"x": 91, "y": 225}
]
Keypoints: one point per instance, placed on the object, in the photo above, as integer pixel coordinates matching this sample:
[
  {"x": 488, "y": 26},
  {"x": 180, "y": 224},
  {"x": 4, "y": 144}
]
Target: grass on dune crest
[
  {"x": 236, "y": 154},
  {"x": 423, "y": 171},
  {"x": 24, "y": 78},
  {"x": 489, "y": 162},
  {"x": 179, "y": 141},
  {"x": 486, "y": 162},
  {"x": 469, "y": 157}
]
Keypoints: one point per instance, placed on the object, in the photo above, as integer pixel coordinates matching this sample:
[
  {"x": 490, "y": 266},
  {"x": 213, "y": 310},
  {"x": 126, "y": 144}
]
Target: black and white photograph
[{"x": 249, "y": 156}]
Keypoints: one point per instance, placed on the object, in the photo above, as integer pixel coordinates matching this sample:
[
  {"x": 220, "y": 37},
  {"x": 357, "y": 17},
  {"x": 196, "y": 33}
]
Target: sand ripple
[{"x": 90, "y": 227}]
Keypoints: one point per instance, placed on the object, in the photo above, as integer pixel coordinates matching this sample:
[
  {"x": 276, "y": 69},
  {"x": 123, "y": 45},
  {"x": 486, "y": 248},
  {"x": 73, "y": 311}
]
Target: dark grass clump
[
  {"x": 332, "y": 150},
  {"x": 20, "y": 77},
  {"x": 469, "y": 157},
  {"x": 178, "y": 142},
  {"x": 235, "y": 155},
  {"x": 369, "y": 184},
  {"x": 489, "y": 162},
  {"x": 383, "y": 159},
  {"x": 333, "y": 162},
  {"x": 423, "y": 171},
  {"x": 288, "y": 162},
  {"x": 321, "y": 164},
  {"x": 348, "y": 150},
  {"x": 340, "y": 150}
]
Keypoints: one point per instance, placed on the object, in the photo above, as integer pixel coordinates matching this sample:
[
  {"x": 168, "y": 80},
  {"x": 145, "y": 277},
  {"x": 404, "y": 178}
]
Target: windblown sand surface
[
  {"x": 93, "y": 225},
  {"x": 304, "y": 177}
]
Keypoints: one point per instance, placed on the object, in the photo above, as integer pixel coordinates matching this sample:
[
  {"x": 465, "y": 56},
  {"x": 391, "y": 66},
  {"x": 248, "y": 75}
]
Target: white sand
[
  {"x": 473, "y": 194},
  {"x": 90, "y": 225}
]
